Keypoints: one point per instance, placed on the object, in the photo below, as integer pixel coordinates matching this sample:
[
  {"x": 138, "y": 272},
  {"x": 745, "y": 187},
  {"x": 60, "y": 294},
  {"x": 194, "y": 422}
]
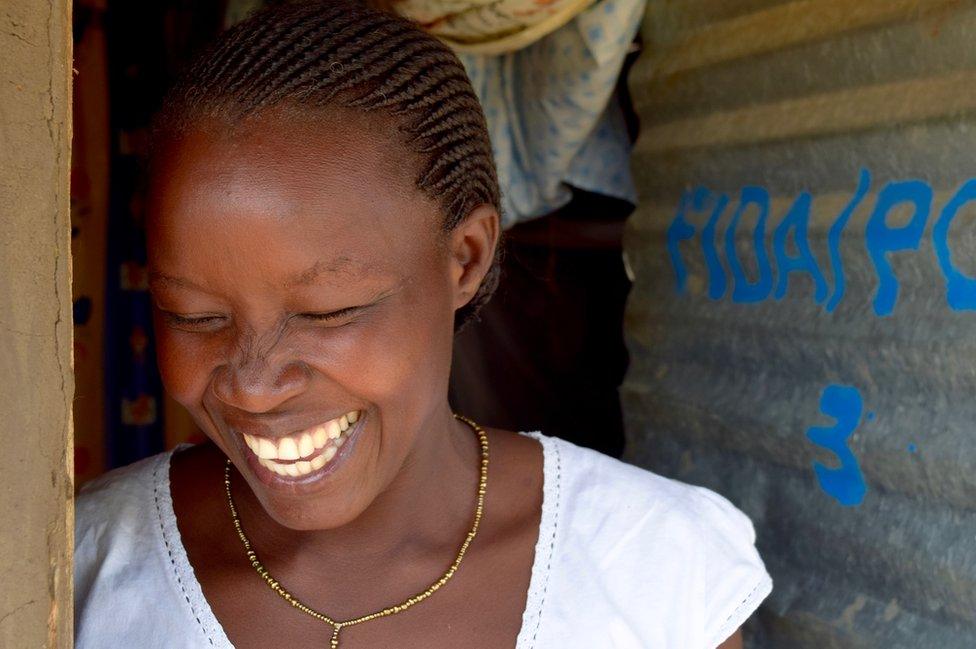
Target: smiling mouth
[{"x": 308, "y": 450}]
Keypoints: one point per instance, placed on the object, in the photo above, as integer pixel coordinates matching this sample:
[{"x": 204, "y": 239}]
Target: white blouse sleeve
[{"x": 736, "y": 581}]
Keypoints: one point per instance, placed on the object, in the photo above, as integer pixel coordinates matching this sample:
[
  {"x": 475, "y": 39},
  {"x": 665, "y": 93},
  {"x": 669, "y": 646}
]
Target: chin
[{"x": 310, "y": 515}]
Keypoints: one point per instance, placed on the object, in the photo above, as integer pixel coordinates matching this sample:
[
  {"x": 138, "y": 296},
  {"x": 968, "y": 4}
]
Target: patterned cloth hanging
[
  {"x": 490, "y": 26},
  {"x": 552, "y": 115}
]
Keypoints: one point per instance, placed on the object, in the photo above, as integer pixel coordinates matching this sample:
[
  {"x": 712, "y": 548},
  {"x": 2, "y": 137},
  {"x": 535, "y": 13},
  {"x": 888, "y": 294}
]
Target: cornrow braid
[{"x": 345, "y": 54}]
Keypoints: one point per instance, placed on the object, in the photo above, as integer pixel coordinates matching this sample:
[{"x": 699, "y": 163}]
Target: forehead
[
  {"x": 337, "y": 189},
  {"x": 288, "y": 157}
]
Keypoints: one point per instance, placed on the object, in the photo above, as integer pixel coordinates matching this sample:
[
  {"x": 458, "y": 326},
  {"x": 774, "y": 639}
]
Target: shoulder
[
  {"x": 134, "y": 586},
  {"x": 119, "y": 498},
  {"x": 599, "y": 485},
  {"x": 116, "y": 523},
  {"x": 681, "y": 550}
]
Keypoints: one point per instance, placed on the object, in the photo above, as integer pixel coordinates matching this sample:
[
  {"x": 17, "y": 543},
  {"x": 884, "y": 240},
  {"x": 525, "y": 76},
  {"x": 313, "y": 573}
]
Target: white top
[{"x": 625, "y": 559}]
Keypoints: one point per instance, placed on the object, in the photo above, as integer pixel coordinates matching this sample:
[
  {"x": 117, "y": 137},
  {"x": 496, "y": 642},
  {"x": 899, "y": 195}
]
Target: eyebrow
[
  {"x": 309, "y": 275},
  {"x": 156, "y": 277},
  {"x": 340, "y": 265}
]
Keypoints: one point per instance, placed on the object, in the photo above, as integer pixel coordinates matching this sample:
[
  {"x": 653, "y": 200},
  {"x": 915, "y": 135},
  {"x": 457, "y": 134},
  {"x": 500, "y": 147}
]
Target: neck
[{"x": 427, "y": 508}]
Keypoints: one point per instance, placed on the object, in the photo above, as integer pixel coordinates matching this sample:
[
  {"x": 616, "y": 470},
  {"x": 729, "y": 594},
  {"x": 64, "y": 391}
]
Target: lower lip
[{"x": 307, "y": 482}]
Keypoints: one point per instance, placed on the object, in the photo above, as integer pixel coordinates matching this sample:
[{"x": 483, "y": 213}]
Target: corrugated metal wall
[{"x": 802, "y": 327}]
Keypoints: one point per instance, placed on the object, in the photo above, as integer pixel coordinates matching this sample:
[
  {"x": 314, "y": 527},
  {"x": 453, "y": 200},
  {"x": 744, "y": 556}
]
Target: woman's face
[{"x": 299, "y": 278}]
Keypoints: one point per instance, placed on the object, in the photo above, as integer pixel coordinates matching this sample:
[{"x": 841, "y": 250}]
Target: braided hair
[{"x": 345, "y": 54}]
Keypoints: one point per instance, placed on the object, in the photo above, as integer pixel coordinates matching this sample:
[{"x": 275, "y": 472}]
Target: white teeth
[
  {"x": 333, "y": 429},
  {"x": 267, "y": 450},
  {"x": 305, "y": 446},
  {"x": 297, "y": 469},
  {"x": 274, "y": 466},
  {"x": 287, "y": 449},
  {"x": 320, "y": 437},
  {"x": 328, "y": 436}
]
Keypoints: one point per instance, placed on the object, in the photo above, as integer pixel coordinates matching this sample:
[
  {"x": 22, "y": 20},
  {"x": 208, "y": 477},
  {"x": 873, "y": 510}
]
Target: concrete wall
[
  {"x": 803, "y": 323},
  {"x": 35, "y": 325}
]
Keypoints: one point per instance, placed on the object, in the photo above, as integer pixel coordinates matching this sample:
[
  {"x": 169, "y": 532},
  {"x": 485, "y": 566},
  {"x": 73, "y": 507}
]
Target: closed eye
[
  {"x": 190, "y": 321},
  {"x": 332, "y": 315},
  {"x": 204, "y": 320}
]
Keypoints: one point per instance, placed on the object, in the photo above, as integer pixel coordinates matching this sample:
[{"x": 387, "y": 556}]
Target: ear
[{"x": 471, "y": 247}]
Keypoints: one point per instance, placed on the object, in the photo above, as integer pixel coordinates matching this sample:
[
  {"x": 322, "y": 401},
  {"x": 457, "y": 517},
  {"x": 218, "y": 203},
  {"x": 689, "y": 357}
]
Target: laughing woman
[{"x": 323, "y": 217}]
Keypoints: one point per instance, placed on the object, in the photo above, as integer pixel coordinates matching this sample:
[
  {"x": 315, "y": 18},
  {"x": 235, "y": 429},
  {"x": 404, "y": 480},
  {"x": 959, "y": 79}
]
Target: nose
[{"x": 258, "y": 385}]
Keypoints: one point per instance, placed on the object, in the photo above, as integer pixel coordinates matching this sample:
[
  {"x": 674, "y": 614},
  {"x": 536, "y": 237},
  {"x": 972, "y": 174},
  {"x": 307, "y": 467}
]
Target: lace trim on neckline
[{"x": 546, "y": 543}]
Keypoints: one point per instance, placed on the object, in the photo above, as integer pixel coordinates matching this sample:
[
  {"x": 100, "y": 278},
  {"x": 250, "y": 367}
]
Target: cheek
[
  {"x": 398, "y": 360},
  {"x": 381, "y": 362},
  {"x": 183, "y": 365}
]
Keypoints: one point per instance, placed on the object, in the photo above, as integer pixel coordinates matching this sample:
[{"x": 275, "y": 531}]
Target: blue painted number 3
[{"x": 845, "y": 483}]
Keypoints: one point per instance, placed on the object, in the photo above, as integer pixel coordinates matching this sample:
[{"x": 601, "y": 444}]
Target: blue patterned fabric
[
  {"x": 552, "y": 115},
  {"x": 133, "y": 389}
]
